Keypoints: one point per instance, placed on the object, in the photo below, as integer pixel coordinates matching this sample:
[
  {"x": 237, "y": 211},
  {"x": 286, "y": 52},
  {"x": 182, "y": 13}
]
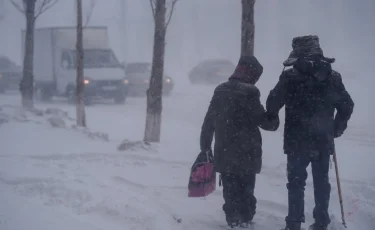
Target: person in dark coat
[
  {"x": 311, "y": 92},
  {"x": 234, "y": 115}
]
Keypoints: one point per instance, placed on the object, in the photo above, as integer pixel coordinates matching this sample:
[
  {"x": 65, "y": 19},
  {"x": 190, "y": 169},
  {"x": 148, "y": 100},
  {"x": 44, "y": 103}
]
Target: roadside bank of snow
[
  {"x": 35, "y": 132},
  {"x": 79, "y": 179}
]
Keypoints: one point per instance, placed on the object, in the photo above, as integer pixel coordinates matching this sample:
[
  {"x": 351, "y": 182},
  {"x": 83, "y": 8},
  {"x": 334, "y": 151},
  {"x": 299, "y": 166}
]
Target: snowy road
[{"x": 54, "y": 178}]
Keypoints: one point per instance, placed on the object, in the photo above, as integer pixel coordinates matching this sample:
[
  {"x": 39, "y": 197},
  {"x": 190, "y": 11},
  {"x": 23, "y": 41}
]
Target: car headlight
[
  {"x": 126, "y": 81},
  {"x": 86, "y": 81},
  {"x": 168, "y": 80}
]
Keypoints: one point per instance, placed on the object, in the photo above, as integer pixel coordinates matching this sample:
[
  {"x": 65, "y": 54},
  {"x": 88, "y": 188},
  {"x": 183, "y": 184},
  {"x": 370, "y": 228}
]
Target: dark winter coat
[
  {"x": 233, "y": 117},
  {"x": 310, "y": 92}
]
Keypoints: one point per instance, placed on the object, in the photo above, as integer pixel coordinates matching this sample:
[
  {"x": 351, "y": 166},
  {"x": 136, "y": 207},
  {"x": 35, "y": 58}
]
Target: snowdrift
[
  {"x": 36, "y": 131},
  {"x": 55, "y": 175},
  {"x": 48, "y": 166}
]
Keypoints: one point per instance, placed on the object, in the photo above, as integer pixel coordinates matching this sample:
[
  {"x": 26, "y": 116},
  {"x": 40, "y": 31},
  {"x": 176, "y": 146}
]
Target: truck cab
[{"x": 103, "y": 74}]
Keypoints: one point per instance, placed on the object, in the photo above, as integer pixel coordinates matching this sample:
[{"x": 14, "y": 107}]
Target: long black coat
[
  {"x": 233, "y": 117},
  {"x": 310, "y": 92}
]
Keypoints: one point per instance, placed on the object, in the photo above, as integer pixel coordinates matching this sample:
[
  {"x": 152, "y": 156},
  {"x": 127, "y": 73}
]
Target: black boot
[
  {"x": 234, "y": 224},
  {"x": 233, "y": 220},
  {"x": 293, "y": 226},
  {"x": 316, "y": 226},
  {"x": 247, "y": 220}
]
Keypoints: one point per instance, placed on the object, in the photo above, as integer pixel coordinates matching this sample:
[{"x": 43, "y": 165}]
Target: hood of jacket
[{"x": 248, "y": 70}]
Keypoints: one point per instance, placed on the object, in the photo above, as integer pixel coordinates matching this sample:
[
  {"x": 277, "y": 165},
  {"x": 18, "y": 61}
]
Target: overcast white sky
[{"x": 211, "y": 28}]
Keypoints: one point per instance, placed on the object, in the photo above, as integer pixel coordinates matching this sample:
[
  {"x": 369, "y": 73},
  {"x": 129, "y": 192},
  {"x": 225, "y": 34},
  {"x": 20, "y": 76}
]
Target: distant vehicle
[
  {"x": 139, "y": 74},
  {"x": 211, "y": 71},
  {"x": 10, "y": 74},
  {"x": 55, "y": 65}
]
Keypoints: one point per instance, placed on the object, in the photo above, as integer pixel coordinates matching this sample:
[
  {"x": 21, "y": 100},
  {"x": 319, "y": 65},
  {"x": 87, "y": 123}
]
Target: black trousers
[
  {"x": 238, "y": 192},
  {"x": 297, "y": 175}
]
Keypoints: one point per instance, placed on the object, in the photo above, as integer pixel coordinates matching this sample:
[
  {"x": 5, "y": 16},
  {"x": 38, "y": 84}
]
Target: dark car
[
  {"x": 211, "y": 71},
  {"x": 10, "y": 75},
  {"x": 138, "y": 75}
]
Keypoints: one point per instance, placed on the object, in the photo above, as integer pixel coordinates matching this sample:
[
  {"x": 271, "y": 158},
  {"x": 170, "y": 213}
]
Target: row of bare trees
[
  {"x": 32, "y": 9},
  {"x": 162, "y": 11}
]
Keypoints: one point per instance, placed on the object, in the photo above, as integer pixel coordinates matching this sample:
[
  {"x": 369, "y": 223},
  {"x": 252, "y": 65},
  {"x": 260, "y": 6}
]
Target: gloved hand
[
  {"x": 339, "y": 129},
  {"x": 205, "y": 155},
  {"x": 272, "y": 116},
  {"x": 273, "y": 121},
  {"x": 205, "y": 150},
  {"x": 338, "y": 133}
]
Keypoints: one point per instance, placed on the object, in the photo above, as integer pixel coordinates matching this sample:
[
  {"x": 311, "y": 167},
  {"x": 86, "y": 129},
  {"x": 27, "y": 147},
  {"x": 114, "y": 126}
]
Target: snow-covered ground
[{"x": 56, "y": 176}]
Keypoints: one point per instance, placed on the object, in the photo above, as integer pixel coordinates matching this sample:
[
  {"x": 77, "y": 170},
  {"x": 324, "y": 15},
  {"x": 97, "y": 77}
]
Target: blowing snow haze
[{"x": 105, "y": 177}]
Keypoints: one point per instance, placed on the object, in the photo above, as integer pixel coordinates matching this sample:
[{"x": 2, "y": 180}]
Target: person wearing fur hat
[
  {"x": 234, "y": 115},
  {"x": 311, "y": 92}
]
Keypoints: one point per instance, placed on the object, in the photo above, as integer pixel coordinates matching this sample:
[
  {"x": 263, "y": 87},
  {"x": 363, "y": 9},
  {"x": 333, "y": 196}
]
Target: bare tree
[
  {"x": 32, "y": 11},
  {"x": 162, "y": 13},
  {"x": 80, "y": 86},
  {"x": 80, "y": 106},
  {"x": 247, "y": 28}
]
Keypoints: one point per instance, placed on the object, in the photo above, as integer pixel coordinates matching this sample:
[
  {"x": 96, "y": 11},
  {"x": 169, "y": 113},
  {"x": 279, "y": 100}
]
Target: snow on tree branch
[
  {"x": 44, "y": 6},
  {"x": 20, "y": 7},
  {"x": 171, "y": 7},
  {"x": 40, "y": 9},
  {"x": 152, "y": 4},
  {"x": 89, "y": 12},
  {"x": 169, "y": 17}
]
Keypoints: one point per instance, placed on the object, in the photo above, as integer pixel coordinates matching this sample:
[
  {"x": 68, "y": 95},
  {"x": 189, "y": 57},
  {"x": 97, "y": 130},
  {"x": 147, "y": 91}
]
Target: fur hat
[{"x": 305, "y": 46}]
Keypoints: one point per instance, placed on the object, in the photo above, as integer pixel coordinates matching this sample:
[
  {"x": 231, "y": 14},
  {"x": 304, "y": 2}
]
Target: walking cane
[{"x": 339, "y": 188}]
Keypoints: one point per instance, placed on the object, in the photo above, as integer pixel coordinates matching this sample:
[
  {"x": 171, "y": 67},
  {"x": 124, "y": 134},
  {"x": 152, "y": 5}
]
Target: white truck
[{"x": 55, "y": 64}]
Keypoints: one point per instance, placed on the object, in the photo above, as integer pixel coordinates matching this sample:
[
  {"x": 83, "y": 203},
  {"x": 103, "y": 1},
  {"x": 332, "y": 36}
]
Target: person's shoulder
[
  {"x": 221, "y": 86},
  {"x": 335, "y": 78},
  {"x": 336, "y": 75},
  {"x": 250, "y": 89},
  {"x": 239, "y": 88}
]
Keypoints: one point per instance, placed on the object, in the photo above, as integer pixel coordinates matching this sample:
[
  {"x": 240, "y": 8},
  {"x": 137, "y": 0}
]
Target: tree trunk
[
  {"x": 154, "y": 93},
  {"x": 80, "y": 106},
  {"x": 247, "y": 28},
  {"x": 27, "y": 82}
]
